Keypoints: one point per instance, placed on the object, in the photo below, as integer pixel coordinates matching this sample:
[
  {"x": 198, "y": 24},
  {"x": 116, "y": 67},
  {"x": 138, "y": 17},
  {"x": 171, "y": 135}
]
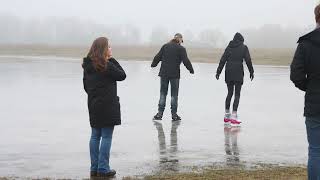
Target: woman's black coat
[{"x": 101, "y": 87}]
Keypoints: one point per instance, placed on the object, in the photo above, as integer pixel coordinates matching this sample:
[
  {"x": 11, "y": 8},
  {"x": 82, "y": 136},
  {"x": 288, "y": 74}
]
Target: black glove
[
  {"x": 251, "y": 76},
  {"x": 217, "y": 76}
]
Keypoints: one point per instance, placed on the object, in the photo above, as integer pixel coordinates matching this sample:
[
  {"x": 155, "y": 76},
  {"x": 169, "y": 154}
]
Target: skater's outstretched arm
[
  {"x": 298, "y": 72},
  {"x": 186, "y": 60},
  {"x": 157, "y": 58},
  {"x": 223, "y": 60},
  {"x": 247, "y": 58}
]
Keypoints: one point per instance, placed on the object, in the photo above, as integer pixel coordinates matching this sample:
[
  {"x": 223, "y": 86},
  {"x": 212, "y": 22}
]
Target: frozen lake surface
[{"x": 45, "y": 130}]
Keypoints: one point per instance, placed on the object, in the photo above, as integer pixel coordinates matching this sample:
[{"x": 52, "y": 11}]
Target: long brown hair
[
  {"x": 97, "y": 53},
  {"x": 317, "y": 13}
]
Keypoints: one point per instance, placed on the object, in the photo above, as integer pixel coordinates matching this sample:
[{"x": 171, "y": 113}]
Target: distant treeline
[{"x": 71, "y": 31}]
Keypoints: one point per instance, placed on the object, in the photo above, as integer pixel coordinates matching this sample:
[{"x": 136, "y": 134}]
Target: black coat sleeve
[
  {"x": 185, "y": 60},
  {"x": 115, "y": 71},
  {"x": 157, "y": 58},
  {"x": 248, "y": 60},
  {"x": 84, "y": 76},
  {"x": 223, "y": 60},
  {"x": 297, "y": 68},
  {"x": 84, "y": 81}
]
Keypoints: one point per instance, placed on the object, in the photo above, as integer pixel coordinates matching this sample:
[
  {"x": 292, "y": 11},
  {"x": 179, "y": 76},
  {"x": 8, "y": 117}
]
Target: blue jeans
[
  {"x": 164, "y": 83},
  {"x": 313, "y": 133},
  {"x": 100, "y": 153}
]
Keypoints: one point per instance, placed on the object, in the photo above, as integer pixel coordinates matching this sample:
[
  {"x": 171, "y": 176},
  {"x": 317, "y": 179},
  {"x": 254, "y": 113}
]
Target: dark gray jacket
[
  {"x": 101, "y": 87},
  {"x": 234, "y": 55},
  {"x": 171, "y": 55},
  {"x": 305, "y": 71}
]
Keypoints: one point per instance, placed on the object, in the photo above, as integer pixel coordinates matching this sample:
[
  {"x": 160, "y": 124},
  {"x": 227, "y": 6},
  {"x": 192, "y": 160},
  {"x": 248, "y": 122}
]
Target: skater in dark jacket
[
  {"x": 305, "y": 74},
  {"x": 171, "y": 56},
  {"x": 100, "y": 75},
  {"x": 233, "y": 57}
]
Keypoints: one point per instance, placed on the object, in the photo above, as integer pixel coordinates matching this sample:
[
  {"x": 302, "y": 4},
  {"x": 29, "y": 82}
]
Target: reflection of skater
[
  {"x": 305, "y": 74},
  {"x": 168, "y": 159},
  {"x": 233, "y": 57},
  {"x": 231, "y": 145},
  {"x": 101, "y": 73},
  {"x": 171, "y": 55}
]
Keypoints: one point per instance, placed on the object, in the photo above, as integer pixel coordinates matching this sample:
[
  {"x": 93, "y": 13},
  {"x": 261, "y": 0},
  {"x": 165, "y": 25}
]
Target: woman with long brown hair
[{"x": 100, "y": 75}]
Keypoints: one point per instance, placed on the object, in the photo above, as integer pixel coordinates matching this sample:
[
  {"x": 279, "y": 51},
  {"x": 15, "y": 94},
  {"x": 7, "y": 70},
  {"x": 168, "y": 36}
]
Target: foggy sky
[
  {"x": 270, "y": 23},
  {"x": 175, "y": 15}
]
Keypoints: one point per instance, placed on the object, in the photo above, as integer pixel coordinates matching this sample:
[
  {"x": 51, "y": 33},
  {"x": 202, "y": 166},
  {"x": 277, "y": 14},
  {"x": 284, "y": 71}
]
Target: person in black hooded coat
[
  {"x": 305, "y": 74},
  {"x": 100, "y": 75},
  {"x": 233, "y": 57}
]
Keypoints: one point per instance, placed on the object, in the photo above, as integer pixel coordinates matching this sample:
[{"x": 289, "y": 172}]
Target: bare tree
[
  {"x": 159, "y": 35},
  {"x": 211, "y": 37},
  {"x": 189, "y": 38},
  {"x": 272, "y": 36}
]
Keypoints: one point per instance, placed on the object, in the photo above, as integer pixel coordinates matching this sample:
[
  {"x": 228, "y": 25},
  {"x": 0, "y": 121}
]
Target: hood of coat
[
  {"x": 237, "y": 41},
  {"x": 87, "y": 65},
  {"x": 313, "y": 37}
]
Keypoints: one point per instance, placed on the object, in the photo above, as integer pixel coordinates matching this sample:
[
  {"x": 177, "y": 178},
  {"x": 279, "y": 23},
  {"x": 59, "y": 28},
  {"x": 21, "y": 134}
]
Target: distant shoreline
[{"x": 277, "y": 57}]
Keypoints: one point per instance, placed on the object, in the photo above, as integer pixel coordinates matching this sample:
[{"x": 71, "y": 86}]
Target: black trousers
[{"x": 233, "y": 87}]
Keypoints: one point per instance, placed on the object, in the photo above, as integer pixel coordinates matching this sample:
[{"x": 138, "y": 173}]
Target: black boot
[
  {"x": 109, "y": 174},
  {"x": 158, "y": 116},
  {"x": 93, "y": 174},
  {"x": 175, "y": 117}
]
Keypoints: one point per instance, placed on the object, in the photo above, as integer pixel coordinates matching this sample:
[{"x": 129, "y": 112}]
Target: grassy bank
[
  {"x": 146, "y": 53},
  {"x": 272, "y": 173},
  {"x": 279, "y": 173}
]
